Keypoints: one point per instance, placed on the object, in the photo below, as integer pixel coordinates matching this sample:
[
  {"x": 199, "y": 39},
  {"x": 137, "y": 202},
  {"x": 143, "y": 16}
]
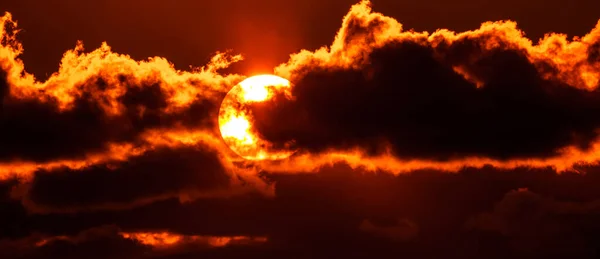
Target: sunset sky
[{"x": 388, "y": 129}]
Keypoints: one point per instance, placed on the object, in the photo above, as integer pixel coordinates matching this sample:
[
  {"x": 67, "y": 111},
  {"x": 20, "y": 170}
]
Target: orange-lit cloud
[
  {"x": 388, "y": 99},
  {"x": 167, "y": 239},
  {"x": 100, "y": 100},
  {"x": 168, "y": 242},
  {"x": 379, "y": 97},
  {"x": 103, "y": 111}
]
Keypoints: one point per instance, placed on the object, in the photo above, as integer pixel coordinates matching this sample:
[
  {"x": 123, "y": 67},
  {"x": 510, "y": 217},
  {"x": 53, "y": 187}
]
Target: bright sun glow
[
  {"x": 235, "y": 120},
  {"x": 256, "y": 88},
  {"x": 238, "y": 128}
]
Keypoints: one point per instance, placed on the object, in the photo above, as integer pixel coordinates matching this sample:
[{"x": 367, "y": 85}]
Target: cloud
[
  {"x": 185, "y": 173},
  {"x": 484, "y": 96},
  {"x": 109, "y": 241},
  {"x": 325, "y": 212},
  {"x": 537, "y": 226},
  {"x": 403, "y": 230},
  {"x": 98, "y": 100},
  {"x": 104, "y": 119},
  {"x": 104, "y": 240},
  {"x": 165, "y": 240},
  {"x": 109, "y": 132}
]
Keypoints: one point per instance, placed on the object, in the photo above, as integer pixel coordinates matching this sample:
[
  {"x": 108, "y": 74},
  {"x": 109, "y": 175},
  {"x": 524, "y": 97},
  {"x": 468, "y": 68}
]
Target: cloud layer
[
  {"x": 113, "y": 157},
  {"x": 442, "y": 96}
]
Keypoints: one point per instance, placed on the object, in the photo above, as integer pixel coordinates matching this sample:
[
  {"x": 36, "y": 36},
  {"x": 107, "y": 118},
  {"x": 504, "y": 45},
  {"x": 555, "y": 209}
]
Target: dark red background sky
[
  {"x": 420, "y": 104},
  {"x": 188, "y": 32}
]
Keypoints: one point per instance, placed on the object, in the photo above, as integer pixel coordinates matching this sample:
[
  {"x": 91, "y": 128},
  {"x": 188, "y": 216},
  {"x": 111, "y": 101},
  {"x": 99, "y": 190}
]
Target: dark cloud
[
  {"x": 159, "y": 174},
  {"x": 100, "y": 98},
  {"x": 15, "y": 221},
  {"x": 471, "y": 214},
  {"x": 408, "y": 94},
  {"x": 3, "y": 86},
  {"x": 400, "y": 230},
  {"x": 39, "y": 131},
  {"x": 100, "y": 242},
  {"x": 535, "y": 226},
  {"x": 594, "y": 53}
]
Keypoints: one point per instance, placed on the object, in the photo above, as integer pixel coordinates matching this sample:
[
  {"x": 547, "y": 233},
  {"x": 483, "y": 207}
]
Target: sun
[{"x": 235, "y": 120}]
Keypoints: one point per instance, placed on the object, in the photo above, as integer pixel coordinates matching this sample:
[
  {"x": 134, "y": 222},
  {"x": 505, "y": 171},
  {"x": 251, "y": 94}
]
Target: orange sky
[
  {"x": 471, "y": 141},
  {"x": 188, "y": 32}
]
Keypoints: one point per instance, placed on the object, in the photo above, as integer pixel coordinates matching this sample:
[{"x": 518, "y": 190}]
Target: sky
[
  {"x": 188, "y": 32},
  {"x": 427, "y": 129}
]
